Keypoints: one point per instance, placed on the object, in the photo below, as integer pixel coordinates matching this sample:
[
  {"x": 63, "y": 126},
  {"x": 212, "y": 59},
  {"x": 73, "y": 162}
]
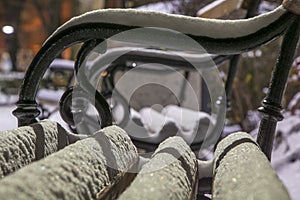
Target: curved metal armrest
[
  {"x": 100, "y": 25},
  {"x": 215, "y": 36},
  {"x": 196, "y": 26}
]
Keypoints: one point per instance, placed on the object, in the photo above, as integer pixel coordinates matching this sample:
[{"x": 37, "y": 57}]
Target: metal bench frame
[{"x": 90, "y": 34}]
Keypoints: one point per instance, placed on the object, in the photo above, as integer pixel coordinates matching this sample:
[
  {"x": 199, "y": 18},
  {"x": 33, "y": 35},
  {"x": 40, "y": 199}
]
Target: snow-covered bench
[
  {"x": 216, "y": 37},
  {"x": 107, "y": 165},
  {"x": 83, "y": 170},
  {"x": 97, "y": 167}
]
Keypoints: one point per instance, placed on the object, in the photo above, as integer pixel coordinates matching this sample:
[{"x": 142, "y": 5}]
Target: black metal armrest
[{"x": 215, "y": 36}]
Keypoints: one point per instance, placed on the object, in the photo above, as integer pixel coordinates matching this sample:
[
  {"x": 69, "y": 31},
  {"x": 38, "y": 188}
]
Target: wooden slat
[
  {"x": 24, "y": 145},
  {"x": 83, "y": 170},
  {"x": 242, "y": 171},
  {"x": 171, "y": 173}
]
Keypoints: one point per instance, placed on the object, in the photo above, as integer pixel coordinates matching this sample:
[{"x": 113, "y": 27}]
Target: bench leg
[{"x": 271, "y": 106}]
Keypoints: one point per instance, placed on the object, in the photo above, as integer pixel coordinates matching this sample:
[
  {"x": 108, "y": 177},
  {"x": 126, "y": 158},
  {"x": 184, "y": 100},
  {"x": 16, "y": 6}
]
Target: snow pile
[
  {"x": 209, "y": 27},
  {"x": 154, "y": 122},
  {"x": 6, "y": 99},
  {"x": 7, "y": 120},
  {"x": 193, "y": 125},
  {"x": 294, "y": 105},
  {"x": 286, "y": 153},
  {"x": 266, "y": 6},
  {"x": 151, "y": 126}
]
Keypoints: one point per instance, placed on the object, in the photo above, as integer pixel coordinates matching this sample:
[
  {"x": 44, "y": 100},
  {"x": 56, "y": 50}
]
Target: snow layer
[
  {"x": 152, "y": 126},
  {"x": 184, "y": 24},
  {"x": 294, "y": 103},
  {"x": 7, "y": 120},
  {"x": 242, "y": 171},
  {"x": 193, "y": 125},
  {"x": 79, "y": 171},
  {"x": 26, "y": 144},
  {"x": 165, "y": 176}
]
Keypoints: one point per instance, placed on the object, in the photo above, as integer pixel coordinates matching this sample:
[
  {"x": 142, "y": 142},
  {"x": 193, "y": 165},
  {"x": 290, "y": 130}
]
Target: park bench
[
  {"x": 106, "y": 165},
  {"x": 51, "y": 163}
]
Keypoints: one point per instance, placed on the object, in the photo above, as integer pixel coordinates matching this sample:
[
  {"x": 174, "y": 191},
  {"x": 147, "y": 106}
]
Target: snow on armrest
[{"x": 188, "y": 25}]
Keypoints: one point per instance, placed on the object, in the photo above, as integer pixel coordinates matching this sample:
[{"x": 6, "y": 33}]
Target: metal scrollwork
[{"x": 74, "y": 105}]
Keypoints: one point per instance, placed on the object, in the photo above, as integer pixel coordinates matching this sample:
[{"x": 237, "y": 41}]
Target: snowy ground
[{"x": 7, "y": 120}]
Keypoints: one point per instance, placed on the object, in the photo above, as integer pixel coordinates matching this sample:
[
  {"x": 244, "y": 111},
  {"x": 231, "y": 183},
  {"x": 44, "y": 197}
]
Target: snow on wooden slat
[
  {"x": 24, "y": 145},
  {"x": 83, "y": 170},
  {"x": 171, "y": 173},
  {"x": 242, "y": 171}
]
